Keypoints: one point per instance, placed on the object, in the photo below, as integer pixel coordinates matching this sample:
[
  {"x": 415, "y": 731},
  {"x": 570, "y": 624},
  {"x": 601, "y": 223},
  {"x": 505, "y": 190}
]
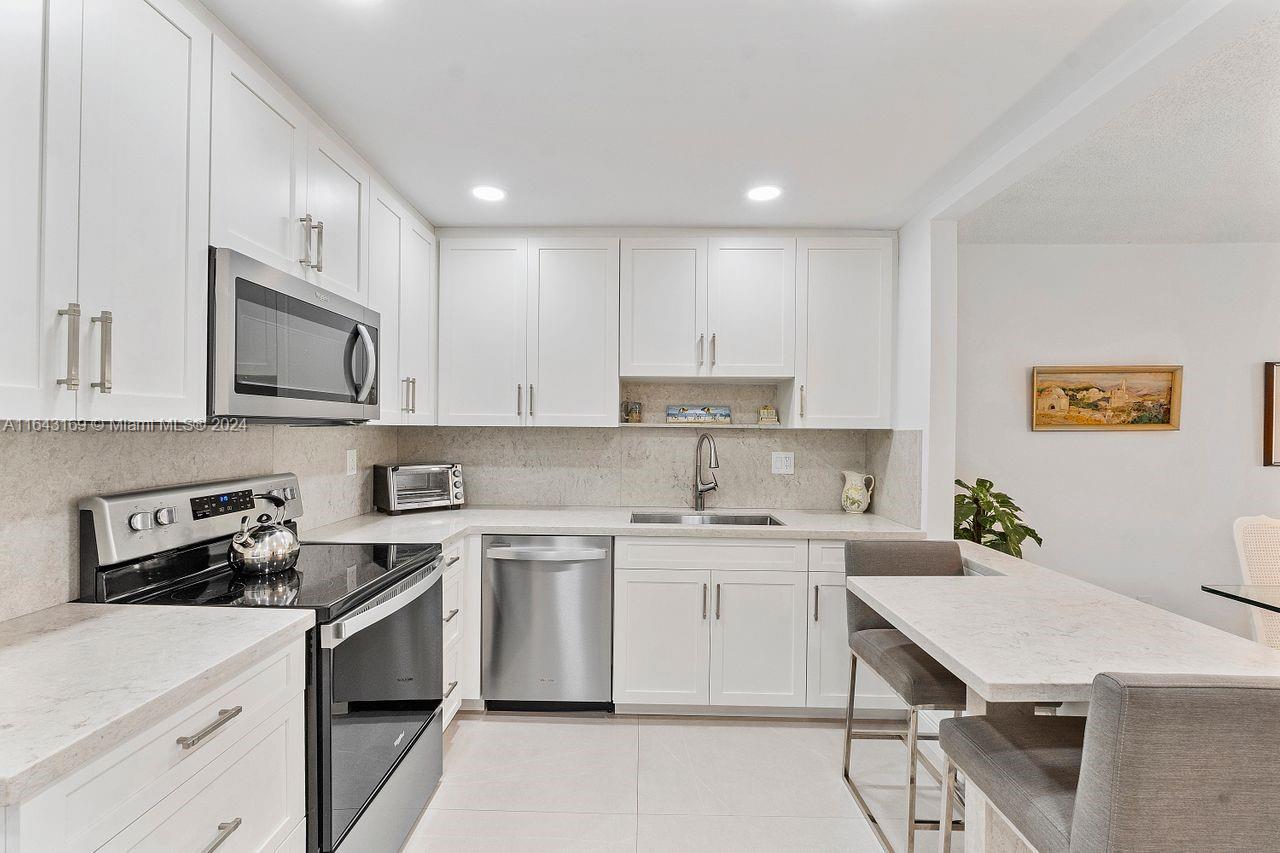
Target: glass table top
[{"x": 1266, "y": 596}]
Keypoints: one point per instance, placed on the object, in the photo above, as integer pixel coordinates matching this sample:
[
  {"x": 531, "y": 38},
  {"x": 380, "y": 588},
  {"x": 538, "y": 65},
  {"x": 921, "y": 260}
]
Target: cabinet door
[
  {"x": 338, "y": 201},
  {"x": 386, "y": 259},
  {"x": 751, "y": 306},
  {"x": 758, "y": 639},
  {"x": 33, "y": 336},
  {"x": 143, "y": 210},
  {"x": 483, "y": 290},
  {"x": 573, "y": 332},
  {"x": 844, "y": 305},
  {"x": 661, "y": 636},
  {"x": 418, "y": 321},
  {"x": 663, "y": 322},
  {"x": 259, "y": 167},
  {"x": 829, "y": 651}
]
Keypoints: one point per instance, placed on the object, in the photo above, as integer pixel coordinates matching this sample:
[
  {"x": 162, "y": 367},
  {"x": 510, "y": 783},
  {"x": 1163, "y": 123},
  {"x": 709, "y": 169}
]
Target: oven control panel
[{"x": 209, "y": 506}]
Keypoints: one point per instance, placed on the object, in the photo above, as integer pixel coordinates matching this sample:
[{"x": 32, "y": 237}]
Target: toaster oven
[{"x": 402, "y": 488}]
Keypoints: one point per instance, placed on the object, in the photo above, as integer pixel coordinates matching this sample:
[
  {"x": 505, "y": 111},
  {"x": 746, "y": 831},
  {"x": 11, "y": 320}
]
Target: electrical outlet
[
  {"x": 784, "y": 463},
  {"x": 351, "y": 461}
]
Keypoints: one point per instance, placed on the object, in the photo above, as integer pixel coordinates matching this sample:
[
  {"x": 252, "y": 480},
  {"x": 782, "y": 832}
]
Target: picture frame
[
  {"x": 1142, "y": 397},
  {"x": 1271, "y": 415}
]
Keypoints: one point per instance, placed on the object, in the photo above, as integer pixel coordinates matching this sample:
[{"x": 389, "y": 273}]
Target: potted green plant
[{"x": 991, "y": 518}]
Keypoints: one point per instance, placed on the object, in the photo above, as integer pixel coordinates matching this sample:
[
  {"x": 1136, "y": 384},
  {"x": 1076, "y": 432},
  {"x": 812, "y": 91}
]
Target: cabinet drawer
[
  {"x": 253, "y": 794},
  {"x": 678, "y": 552},
  {"x": 452, "y": 690},
  {"x": 826, "y": 556},
  {"x": 132, "y": 779},
  {"x": 451, "y": 598}
]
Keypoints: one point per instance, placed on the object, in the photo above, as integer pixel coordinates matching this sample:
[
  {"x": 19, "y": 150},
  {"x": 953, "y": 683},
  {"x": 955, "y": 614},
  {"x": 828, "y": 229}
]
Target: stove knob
[
  {"x": 141, "y": 521},
  {"x": 166, "y": 515}
]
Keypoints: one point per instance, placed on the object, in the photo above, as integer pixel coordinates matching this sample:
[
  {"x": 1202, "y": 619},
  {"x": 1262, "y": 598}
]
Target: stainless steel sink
[{"x": 703, "y": 518}]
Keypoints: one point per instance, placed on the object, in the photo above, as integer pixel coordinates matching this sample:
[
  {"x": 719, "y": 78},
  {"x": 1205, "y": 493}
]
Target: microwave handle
[{"x": 371, "y": 355}]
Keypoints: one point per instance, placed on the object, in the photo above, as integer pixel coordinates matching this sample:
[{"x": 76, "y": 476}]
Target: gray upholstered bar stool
[
  {"x": 1163, "y": 763},
  {"x": 922, "y": 682}
]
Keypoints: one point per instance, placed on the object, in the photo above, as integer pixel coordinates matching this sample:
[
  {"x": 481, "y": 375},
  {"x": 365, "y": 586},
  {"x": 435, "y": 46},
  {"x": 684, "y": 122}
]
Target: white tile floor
[{"x": 515, "y": 782}]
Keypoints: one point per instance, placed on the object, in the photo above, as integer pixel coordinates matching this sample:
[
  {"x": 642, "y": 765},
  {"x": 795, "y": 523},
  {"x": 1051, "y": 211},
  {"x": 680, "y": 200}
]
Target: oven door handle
[
  {"x": 371, "y": 356},
  {"x": 403, "y": 594}
]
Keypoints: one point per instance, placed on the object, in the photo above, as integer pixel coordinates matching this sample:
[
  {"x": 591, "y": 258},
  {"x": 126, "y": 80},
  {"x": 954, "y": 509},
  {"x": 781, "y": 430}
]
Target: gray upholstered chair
[
  {"x": 922, "y": 682},
  {"x": 1163, "y": 763}
]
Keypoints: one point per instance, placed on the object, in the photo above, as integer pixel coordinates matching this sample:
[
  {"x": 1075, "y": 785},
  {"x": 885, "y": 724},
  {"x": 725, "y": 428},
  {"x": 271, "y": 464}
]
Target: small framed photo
[
  {"x": 1127, "y": 397},
  {"x": 1271, "y": 415}
]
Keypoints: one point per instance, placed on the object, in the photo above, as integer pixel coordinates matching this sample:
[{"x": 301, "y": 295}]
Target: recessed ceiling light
[
  {"x": 765, "y": 193},
  {"x": 489, "y": 193}
]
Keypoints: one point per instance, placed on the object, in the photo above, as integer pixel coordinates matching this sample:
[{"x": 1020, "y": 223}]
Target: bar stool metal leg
[
  {"x": 913, "y": 756},
  {"x": 848, "y": 749},
  {"x": 948, "y": 798}
]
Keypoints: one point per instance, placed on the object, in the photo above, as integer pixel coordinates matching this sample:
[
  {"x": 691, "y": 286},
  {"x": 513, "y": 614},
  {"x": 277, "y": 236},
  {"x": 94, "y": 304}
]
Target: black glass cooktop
[{"x": 328, "y": 578}]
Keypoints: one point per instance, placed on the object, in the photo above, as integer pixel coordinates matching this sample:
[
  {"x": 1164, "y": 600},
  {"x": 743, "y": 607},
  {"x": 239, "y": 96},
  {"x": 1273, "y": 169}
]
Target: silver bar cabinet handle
[
  {"x": 104, "y": 384},
  {"x": 702, "y": 346},
  {"x": 413, "y": 383},
  {"x": 225, "y": 716},
  {"x": 704, "y": 602},
  {"x": 815, "y": 604},
  {"x": 519, "y": 400},
  {"x": 452, "y": 613},
  {"x": 803, "y": 399},
  {"x": 305, "y": 260},
  {"x": 530, "y": 399},
  {"x": 717, "y": 601},
  {"x": 224, "y": 832},
  {"x": 713, "y": 349},
  {"x": 451, "y": 559},
  {"x": 453, "y": 685},
  {"x": 319, "y": 247},
  {"x": 72, "y": 313},
  {"x": 408, "y": 384}
]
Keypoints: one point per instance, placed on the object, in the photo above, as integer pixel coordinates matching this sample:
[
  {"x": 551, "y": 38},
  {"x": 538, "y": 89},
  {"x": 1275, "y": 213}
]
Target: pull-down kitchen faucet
[{"x": 701, "y": 487}]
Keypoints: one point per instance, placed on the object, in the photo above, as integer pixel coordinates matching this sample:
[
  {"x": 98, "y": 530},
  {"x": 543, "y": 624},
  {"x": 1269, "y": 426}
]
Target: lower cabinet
[
  {"x": 452, "y": 600},
  {"x": 758, "y": 639},
  {"x": 661, "y": 637}
]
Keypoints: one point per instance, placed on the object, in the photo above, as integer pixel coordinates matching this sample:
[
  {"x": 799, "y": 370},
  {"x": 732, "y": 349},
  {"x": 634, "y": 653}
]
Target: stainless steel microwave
[
  {"x": 399, "y": 488},
  {"x": 282, "y": 349}
]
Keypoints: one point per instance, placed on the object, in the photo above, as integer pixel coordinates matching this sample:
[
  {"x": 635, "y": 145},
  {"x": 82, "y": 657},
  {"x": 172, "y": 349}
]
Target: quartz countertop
[
  {"x": 78, "y": 680},
  {"x": 447, "y": 526},
  {"x": 1015, "y": 631}
]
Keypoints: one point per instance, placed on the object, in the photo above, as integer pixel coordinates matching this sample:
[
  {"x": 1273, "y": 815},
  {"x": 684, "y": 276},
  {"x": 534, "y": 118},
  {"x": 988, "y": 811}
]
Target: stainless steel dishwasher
[{"x": 546, "y": 622}]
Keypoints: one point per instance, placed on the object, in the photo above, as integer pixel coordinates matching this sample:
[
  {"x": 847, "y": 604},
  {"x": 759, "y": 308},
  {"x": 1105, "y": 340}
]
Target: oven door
[
  {"x": 379, "y": 701},
  {"x": 284, "y": 349}
]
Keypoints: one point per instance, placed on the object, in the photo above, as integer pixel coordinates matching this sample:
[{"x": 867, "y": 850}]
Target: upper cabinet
[
  {"x": 751, "y": 291},
  {"x": 528, "y": 332},
  {"x": 723, "y": 307},
  {"x": 282, "y": 191},
  {"x": 663, "y": 325},
  {"x": 418, "y": 321},
  {"x": 844, "y": 332},
  {"x": 572, "y": 332}
]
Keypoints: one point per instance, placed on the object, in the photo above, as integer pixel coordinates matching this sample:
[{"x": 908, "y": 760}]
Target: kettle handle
[{"x": 276, "y": 501}]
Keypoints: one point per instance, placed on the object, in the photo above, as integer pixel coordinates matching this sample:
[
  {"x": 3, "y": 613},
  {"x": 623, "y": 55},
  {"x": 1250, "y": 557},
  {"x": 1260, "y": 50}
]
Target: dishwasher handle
[{"x": 546, "y": 555}]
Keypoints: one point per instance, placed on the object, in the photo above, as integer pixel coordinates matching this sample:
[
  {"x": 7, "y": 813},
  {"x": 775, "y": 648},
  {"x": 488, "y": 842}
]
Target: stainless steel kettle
[{"x": 268, "y": 546}]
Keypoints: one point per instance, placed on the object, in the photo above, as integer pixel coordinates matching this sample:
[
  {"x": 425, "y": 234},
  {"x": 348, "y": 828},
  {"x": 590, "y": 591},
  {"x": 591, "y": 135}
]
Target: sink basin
[{"x": 703, "y": 518}]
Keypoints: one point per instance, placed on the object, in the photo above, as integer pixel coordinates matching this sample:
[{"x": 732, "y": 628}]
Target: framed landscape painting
[{"x": 1137, "y": 397}]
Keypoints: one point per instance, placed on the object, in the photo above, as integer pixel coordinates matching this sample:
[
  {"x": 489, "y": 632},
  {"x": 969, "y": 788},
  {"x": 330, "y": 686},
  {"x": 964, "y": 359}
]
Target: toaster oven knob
[
  {"x": 457, "y": 496},
  {"x": 141, "y": 521},
  {"x": 166, "y": 515}
]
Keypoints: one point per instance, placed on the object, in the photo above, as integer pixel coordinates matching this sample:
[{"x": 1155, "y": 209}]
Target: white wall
[{"x": 1144, "y": 513}]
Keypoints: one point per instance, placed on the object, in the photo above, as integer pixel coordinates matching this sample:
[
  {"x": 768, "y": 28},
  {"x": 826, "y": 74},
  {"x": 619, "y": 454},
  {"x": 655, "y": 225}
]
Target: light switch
[
  {"x": 351, "y": 461},
  {"x": 784, "y": 463}
]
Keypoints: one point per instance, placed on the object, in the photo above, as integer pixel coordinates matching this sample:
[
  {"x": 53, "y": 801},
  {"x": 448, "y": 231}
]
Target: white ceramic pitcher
[{"x": 856, "y": 496}]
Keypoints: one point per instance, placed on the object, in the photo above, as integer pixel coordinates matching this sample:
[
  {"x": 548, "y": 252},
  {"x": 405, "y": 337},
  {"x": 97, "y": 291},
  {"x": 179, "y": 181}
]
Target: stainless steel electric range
[{"x": 374, "y": 663}]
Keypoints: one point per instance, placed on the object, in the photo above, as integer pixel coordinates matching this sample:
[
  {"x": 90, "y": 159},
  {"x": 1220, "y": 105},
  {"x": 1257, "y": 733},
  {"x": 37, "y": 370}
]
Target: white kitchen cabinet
[
  {"x": 483, "y": 306},
  {"x": 662, "y": 637},
  {"x": 128, "y": 201},
  {"x": 751, "y": 291},
  {"x": 338, "y": 202},
  {"x": 572, "y": 332},
  {"x": 758, "y": 639},
  {"x": 33, "y": 335},
  {"x": 663, "y": 317},
  {"x": 418, "y": 321},
  {"x": 259, "y": 167},
  {"x": 844, "y": 331},
  {"x": 386, "y": 279}
]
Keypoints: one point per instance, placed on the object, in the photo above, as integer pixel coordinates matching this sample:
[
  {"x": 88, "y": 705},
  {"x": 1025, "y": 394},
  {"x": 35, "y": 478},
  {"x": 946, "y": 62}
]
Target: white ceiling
[
  {"x": 1198, "y": 161},
  {"x": 663, "y": 112}
]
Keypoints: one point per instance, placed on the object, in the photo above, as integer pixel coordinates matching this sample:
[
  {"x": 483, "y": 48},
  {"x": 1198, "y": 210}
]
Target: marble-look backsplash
[
  {"x": 45, "y": 474},
  {"x": 653, "y": 466}
]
